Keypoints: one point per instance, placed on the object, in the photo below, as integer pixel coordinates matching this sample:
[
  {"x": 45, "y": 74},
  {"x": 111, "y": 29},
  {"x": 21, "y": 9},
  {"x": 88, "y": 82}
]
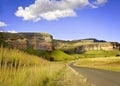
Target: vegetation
[
  {"x": 2, "y": 42},
  {"x": 70, "y": 78},
  {"x": 20, "y": 69},
  {"x": 108, "y": 63},
  {"x": 99, "y": 53},
  {"x": 59, "y": 55},
  {"x": 55, "y": 55},
  {"x": 102, "y": 53}
]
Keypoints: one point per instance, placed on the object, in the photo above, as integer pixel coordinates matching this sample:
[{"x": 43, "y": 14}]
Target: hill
[
  {"x": 83, "y": 45},
  {"x": 56, "y": 55},
  {"x": 43, "y": 44}
]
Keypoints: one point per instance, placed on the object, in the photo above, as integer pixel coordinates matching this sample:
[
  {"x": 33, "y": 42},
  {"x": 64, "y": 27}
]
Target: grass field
[
  {"x": 106, "y": 63},
  {"x": 20, "y": 69},
  {"x": 97, "y": 53}
]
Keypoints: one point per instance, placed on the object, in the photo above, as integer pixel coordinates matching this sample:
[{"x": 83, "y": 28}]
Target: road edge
[{"x": 84, "y": 79}]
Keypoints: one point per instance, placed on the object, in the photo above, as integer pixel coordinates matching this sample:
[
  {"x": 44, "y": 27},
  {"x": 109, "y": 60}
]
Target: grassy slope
[
  {"x": 103, "y": 53},
  {"x": 20, "y": 69},
  {"x": 99, "y": 53},
  {"x": 55, "y": 55},
  {"x": 59, "y": 55},
  {"x": 109, "y": 63}
]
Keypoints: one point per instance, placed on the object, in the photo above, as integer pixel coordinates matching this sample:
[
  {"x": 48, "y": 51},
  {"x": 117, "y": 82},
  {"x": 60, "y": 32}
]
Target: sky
[{"x": 64, "y": 19}]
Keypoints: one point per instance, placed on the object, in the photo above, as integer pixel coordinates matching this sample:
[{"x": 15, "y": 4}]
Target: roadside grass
[
  {"x": 70, "y": 78},
  {"x": 106, "y": 63},
  {"x": 32, "y": 76},
  {"x": 20, "y": 69}
]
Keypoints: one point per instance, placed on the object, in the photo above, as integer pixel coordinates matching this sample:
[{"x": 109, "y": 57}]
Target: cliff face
[
  {"x": 38, "y": 41},
  {"x": 78, "y": 46},
  {"x": 44, "y": 41},
  {"x": 107, "y": 46}
]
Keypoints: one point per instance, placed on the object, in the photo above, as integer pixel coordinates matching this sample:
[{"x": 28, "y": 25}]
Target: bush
[{"x": 117, "y": 55}]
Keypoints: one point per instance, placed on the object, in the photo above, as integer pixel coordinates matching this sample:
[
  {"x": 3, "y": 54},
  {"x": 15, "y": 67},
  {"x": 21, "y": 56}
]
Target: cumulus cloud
[
  {"x": 54, "y": 9},
  {"x": 13, "y": 31},
  {"x": 2, "y": 24}
]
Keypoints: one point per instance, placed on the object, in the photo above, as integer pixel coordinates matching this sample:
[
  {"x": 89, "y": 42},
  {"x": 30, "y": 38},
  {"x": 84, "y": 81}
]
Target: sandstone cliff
[
  {"x": 79, "y": 46},
  {"x": 38, "y": 41},
  {"x": 44, "y": 41}
]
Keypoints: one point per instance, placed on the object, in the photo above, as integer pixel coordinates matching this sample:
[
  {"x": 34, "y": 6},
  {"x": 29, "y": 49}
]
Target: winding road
[{"x": 98, "y": 77}]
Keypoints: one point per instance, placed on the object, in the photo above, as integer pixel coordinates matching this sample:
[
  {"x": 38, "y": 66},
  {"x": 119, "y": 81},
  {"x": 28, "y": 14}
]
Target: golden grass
[
  {"x": 31, "y": 76},
  {"x": 20, "y": 69},
  {"x": 108, "y": 63},
  {"x": 69, "y": 78},
  {"x": 16, "y": 58}
]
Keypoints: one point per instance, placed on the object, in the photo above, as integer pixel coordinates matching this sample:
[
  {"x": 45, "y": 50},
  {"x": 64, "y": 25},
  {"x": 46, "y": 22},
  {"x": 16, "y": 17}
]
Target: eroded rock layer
[
  {"x": 38, "y": 41},
  {"x": 78, "y": 46}
]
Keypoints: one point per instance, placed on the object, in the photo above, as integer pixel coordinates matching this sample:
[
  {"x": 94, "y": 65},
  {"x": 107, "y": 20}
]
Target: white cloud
[
  {"x": 101, "y": 1},
  {"x": 13, "y": 31},
  {"x": 2, "y": 24},
  {"x": 54, "y": 9},
  {"x": 54, "y": 15}
]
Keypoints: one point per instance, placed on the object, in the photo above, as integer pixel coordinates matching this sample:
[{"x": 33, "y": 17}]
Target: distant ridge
[
  {"x": 82, "y": 45},
  {"x": 45, "y": 41},
  {"x": 95, "y": 40}
]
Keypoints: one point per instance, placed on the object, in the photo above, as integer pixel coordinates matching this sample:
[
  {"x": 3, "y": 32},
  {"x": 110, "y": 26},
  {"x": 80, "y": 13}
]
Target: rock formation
[
  {"x": 78, "y": 46},
  {"x": 44, "y": 41},
  {"x": 107, "y": 46},
  {"x": 38, "y": 41}
]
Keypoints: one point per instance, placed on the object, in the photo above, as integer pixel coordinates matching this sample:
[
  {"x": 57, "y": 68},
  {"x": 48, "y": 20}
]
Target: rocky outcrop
[
  {"x": 107, "y": 46},
  {"x": 44, "y": 41},
  {"x": 78, "y": 46},
  {"x": 38, "y": 41}
]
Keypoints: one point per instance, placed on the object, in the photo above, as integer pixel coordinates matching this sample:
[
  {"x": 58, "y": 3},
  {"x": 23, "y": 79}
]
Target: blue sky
[{"x": 64, "y": 19}]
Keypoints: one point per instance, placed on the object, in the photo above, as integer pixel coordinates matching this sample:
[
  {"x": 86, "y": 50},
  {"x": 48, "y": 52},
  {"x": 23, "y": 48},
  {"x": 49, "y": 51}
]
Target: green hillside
[
  {"x": 99, "y": 53},
  {"x": 102, "y": 53},
  {"x": 59, "y": 56},
  {"x": 56, "y": 55}
]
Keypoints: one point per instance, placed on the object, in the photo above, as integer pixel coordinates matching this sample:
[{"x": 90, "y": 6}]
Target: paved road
[{"x": 99, "y": 77}]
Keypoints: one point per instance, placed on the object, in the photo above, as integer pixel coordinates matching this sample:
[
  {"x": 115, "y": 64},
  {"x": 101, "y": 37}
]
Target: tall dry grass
[
  {"x": 70, "y": 78},
  {"x": 20, "y": 69}
]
